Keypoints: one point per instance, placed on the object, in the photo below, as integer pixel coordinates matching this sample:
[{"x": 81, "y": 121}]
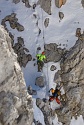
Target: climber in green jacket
[{"x": 40, "y": 60}]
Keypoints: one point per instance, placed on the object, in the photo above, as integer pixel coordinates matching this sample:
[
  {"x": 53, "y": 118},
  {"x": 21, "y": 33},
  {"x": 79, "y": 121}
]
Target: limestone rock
[
  {"x": 19, "y": 27},
  {"x": 72, "y": 77},
  {"x": 16, "y": 1},
  {"x": 48, "y": 113},
  {"x": 52, "y": 68},
  {"x": 39, "y": 48},
  {"x": 78, "y": 32},
  {"x": 31, "y": 91},
  {"x": 15, "y": 103},
  {"x": 59, "y": 3},
  {"x": 45, "y": 5},
  {"x": 26, "y": 3},
  {"x": 53, "y": 53},
  {"x": 21, "y": 51},
  {"x": 20, "y": 41},
  {"x": 57, "y": 77},
  {"x": 61, "y": 15},
  {"x": 13, "y": 22},
  {"x": 40, "y": 81},
  {"x": 12, "y": 38},
  {"x": 82, "y": 2},
  {"x": 46, "y": 22}
]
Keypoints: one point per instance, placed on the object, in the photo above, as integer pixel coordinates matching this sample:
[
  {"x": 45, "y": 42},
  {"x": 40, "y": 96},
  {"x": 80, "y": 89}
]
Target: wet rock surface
[
  {"x": 45, "y": 5},
  {"x": 72, "y": 78},
  {"x": 15, "y": 103},
  {"x": 40, "y": 81},
  {"x": 48, "y": 113},
  {"x": 53, "y": 53}
]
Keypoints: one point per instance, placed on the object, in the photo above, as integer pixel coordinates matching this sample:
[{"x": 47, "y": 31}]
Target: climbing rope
[
  {"x": 47, "y": 82},
  {"x": 37, "y": 44}
]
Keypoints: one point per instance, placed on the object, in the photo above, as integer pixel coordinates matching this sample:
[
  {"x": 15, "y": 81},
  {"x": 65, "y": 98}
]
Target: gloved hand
[{"x": 49, "y": 91}]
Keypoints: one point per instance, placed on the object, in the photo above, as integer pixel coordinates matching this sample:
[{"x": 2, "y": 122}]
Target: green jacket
[{"x": 40, "y": 57}]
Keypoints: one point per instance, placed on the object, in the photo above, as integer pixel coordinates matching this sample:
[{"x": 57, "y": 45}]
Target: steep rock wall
[
  {"x": 15, "y": 102},
  {"x": 72, "y": 78}
]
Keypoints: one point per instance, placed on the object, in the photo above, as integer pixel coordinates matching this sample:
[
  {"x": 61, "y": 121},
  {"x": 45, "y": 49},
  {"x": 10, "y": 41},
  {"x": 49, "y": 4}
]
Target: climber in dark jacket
[{"x": 55, "y": 94}]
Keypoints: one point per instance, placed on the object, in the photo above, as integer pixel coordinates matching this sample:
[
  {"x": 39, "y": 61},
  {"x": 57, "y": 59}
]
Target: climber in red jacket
[{"x": 55, "y": 94}]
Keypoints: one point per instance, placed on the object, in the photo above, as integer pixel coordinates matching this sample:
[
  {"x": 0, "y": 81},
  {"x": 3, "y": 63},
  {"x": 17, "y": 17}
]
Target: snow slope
[{"x": 57, "y": 32}]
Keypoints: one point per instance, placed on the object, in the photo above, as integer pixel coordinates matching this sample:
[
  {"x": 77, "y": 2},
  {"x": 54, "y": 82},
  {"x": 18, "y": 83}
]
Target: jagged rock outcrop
[
  {"x": 18, "y": 47},
  {"x": 53, "y": 53},
  {"x": 15, "y": 102},
  {"x": 59, "y": 3},
  {"x": 48, "y": 113},
  {"x": 22, "y": 52},
  {"x": 72, "y": 78},
  {"x": 31, "y": 91},
  {"x": 13, "y": 21},
  {"x": 45, "y": 5}
]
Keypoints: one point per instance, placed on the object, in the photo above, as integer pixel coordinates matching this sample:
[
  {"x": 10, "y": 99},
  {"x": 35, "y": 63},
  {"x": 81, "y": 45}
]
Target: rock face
[
  {"x": 22, "y": 52},
  {"x": 72, "y": 78},
  {"x": 48, "y": 113},
  {"x": 53, "y": 53},
  {"x": 18, "y": 47},
  {"x": 13, "y": 21},
  {"x": 31, "y": 91},
  {"x": 59, "y": 3},
  {"x": 45, "y": 5},
  {"x": 15, "y": 102}
]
